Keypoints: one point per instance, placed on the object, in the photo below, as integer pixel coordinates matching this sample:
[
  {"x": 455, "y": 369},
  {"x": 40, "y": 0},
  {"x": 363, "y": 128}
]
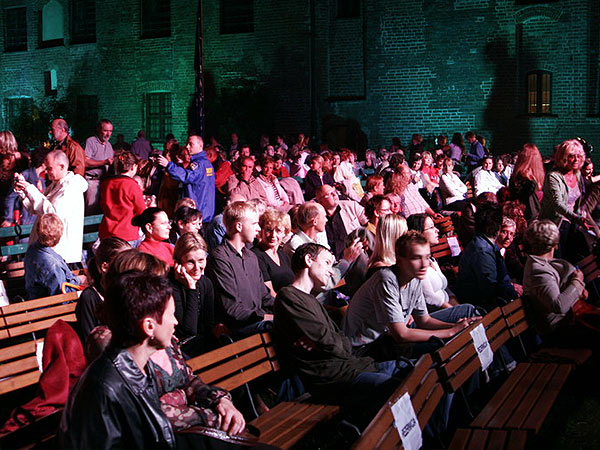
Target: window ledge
[{"x": 550, "y": 116}]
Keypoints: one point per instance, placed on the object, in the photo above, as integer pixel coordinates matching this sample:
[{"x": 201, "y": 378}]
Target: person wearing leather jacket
[{"x": 115, "y": 403}]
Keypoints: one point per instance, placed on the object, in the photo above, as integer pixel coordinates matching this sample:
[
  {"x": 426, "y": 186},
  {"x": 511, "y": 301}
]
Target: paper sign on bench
[
  {"x": 39, "y": 352},
  {"x": 406, "y": 423},
  {"x": 454, "y": 245},
  {"x": 482, "y": 346}
]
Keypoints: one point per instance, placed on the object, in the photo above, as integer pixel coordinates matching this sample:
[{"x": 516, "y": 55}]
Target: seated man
[
  {"x": 244, "y": 183},
  {"x": 314, "y": 346},
  {"x": 482, "y": 276},
  {"x": 241, "y": 297},
  {"x": 343, "y": 217},
  {"x": 382, "y": 307}
]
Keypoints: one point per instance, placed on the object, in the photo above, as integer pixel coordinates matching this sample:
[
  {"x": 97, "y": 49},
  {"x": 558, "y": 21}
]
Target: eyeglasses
[{"x": 430, "y": 228}]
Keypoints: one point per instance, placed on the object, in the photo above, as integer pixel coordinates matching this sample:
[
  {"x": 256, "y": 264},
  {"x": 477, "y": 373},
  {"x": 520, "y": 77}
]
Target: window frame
[
  {"x": 164, "y": 116},
  {"x": 80, "y": 9},
  {"x": 537, "y": 89},
  {"x": 22, "y": 47}
]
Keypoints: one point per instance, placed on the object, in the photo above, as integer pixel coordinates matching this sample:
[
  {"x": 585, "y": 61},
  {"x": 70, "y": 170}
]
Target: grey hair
[{"x": 541, "y": 236}]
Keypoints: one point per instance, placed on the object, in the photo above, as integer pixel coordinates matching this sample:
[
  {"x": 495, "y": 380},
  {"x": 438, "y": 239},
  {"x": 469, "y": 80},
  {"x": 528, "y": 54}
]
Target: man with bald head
[
  {"x": 60, "y": 133},
  {"x": 64, "y": 197},
  {"x": 198, "y": 179}
]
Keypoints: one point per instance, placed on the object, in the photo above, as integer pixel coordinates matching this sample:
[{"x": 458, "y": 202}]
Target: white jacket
[
  {"x": 486, "y": 181},
  {"x": 452, "y": 187},
  {"x": 65, "y": 199}
]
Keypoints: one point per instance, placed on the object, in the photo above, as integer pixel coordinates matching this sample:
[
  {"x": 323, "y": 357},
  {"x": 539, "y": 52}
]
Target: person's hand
[
  {"x": 20, "y": 183},
  {"x": 6, "y": 223},
  {"x": 584, "y": 295},
  {"x": 518, "y": 289},
  {"x": 353, "y": 250},
  {"x": 305, "y": 343},
  {"x": 108, "y": 161},
  {"x": 83, "y": 280},
  {"x": 232, "y": 421},
  {"x": 183, "y": 277},
  {"x": 162, "y": 161}
]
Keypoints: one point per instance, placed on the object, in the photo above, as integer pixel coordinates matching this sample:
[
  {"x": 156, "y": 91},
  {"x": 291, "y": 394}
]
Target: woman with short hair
[
  {"x": 156, "y": 226},
  {"x": 46, "y": 270}
]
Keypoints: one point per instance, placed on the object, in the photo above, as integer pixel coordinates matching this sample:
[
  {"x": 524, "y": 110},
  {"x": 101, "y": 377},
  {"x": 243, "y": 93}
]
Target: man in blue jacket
[{"x": 198, "y": 179}]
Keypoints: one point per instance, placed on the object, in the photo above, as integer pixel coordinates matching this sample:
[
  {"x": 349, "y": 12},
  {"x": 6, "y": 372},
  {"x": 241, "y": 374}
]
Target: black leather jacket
[{"x": 115, "y": 405}]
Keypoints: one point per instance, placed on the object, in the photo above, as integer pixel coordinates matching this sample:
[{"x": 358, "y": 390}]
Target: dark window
[
  {"x": 83, "y": 21},
  {"x": 15, "y": 29},
  {"x": 86, "y": 116},
  {"x": 50, "y": 82},
  {"x": 158, "y": 115},
  {"x": 17, "y": 108},
  {"x": 539, "y": 92},
  {"x": 156, "y": 18},
  {"x": 348, "y": 8},
  {"x": 237, "y": 16}
]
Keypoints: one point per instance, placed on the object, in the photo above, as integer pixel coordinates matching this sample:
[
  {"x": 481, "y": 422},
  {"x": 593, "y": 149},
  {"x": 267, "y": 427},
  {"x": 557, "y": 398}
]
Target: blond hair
[
  {"x": 236, "y": 212},
  {"x": 273, "y": 218},
  {"x": 389, "y": 228},
  {"x": 49, "y": 229}
]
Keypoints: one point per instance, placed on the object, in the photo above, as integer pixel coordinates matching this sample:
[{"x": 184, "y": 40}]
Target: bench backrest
[
  {"x": 458, "y": 360},
  {"x": 238, "y": 363},
  {"x": 515, "y": 317},
  {"x": 18, "y": 319},
  {"x": 589, "y": 267},
  {"x": 425, "y": 391},
  {"x": 445, "y": 225},
  {"x": 19, "y": 366}
]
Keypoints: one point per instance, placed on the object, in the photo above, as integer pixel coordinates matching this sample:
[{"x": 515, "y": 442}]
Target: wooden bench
[
  {"x": 34, "y": 316},
  {"x": 442, "y": 248},
  {"x": 589, "y": 267},
  {"x": 445, "y": 225},
  {"x": 470, "y": 439},
  {"x": 425, "y": 390},
  {"x": 517, "y": 323},
  {"x": 470, "y": 190},
  {"x": 19, "y": 366},
  {"x": 243, "y": 361},
  {"x": 458, "y": 361}
]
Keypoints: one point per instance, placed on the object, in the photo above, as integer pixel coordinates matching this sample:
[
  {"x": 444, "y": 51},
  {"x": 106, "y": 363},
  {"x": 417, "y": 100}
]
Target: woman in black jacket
[{"x": 194, "y": 296}]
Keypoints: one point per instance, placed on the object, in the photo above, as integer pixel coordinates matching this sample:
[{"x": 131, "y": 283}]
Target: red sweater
[
  {"x": 120, "y": 199},
  {"x": 162, "y": 250}
]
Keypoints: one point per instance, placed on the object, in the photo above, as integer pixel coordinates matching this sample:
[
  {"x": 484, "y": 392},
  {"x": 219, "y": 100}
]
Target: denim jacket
[{"x": 45, "y": 272}]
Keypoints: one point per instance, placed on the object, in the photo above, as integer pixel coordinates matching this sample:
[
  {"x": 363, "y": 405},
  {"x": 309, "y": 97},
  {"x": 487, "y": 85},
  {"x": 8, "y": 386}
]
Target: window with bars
[
  {"x": 156, "y": 18},
  {"x": 15, "y": 29},
  {"x": 83, "y": 21},
  {"x": 158, "y": 115},
  {"x": 237, "y": 16},
  {"x": 539, "y": 92},
  {"x": 15, "y": 108},
  {"x": 348, "y": 8}
]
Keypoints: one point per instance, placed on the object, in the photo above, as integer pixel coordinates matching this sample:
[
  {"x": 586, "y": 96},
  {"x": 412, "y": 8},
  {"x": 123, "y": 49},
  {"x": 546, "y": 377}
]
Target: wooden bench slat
[
  {"x": 32, "y": 316},
  {"x": 233, "y": 366},
  {"x": 499, "y": 397},
  {"x": 432, "y": 403},
  {"x": 461, "y": 439},
  {"x": 39, "y": 326},
  {"x": 228, "y": 351},
  {"x": 478, "y": 439},
  {"x": 516, "y": 396},
  {"x": 497, "y": 440},
  {"x": 18, "y": 350},
  {"x": 17, "y": 367},
  {"x": 20, "y": 381},
  {"x": 31, "y": 305},
  {"x": 517, "y": 440},
  {"x": 235, "y": 381},
  {"x": 550, "y": 393},
  {"x": 424, "y": 390}
]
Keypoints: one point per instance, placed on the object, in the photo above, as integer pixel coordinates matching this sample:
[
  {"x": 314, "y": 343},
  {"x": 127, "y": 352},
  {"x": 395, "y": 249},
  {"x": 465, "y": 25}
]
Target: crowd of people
[{"x": 197, "y": 241}]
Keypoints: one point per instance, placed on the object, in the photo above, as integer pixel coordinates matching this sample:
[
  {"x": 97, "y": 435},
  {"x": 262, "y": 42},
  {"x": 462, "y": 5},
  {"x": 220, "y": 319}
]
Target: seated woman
[
  {"x": 194, "y": 296},
  {"x": 185, "y": 220},
  {"x": 274, "y": 262},
  {"x": 486, "y": 180},
  {"x": 93, "y": 295},
  {"x": 316, "y": 177},
  {"x": 374, "y": 186},
  {"x": 156, "y": 226},
  {"x": 389, "y": 228},
  {"x": 551, "y": 285},
  {"x": 435, "y": 283},
  {"x": 46, "y": 270},
  {"x": 452, "y": 187},
  {"x": 115, "y": 402}
]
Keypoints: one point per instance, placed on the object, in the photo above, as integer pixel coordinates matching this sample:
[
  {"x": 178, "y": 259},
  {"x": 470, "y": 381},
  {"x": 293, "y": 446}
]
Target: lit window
[
  {"x": 539, "y": 92},
  {"x": 15, "y": 29},
  {"x": 237, "y": 16},
  {"x": 158, "y": 115}
]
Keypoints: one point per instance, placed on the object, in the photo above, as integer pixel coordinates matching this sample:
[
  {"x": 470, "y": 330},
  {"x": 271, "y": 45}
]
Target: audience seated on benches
[{"x": 46, "y": 270}]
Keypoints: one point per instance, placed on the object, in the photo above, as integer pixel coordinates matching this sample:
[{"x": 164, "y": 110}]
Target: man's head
[
  {"x": 141, "y": 134},
  {"x": 246, "y": 168},
  {"x": 57, "y": 165},
  {"x": 104, "y": 130},
  {"x": 315, "y": 260},
  {"x": 59, "y": 129},
  {"x": 327, "y": 196},
  {"x": 234, "y": 138},
  {"x": 470, "y": 136},
  {"x": 507, "y": 233},
  {"x": 267, "y": 166},
  {"x": 245, "y": 150},
  {"x": 311, "y": 214},
  {"x": 194, "y": 145},
  {"x": 377, "y": 207},
  {"x": 241, "y": 218},
  {"x": 412, "y": 255},
  {"x": 488, "y": 220}
]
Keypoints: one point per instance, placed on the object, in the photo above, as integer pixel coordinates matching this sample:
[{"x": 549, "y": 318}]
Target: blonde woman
[{"x": 389, "y": 228}]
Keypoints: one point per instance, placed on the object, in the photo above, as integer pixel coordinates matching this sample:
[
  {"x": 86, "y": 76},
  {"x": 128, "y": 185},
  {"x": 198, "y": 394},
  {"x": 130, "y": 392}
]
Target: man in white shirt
[{"x": 99, "y": 155}]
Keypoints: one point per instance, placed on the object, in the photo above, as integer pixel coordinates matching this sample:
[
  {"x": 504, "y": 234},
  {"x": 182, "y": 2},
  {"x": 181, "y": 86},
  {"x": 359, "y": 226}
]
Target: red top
[
  {"x": 281, "y": 173},
  {"x": 120, "y": 199},
  {"x": 222, "y": 174},
  {"x": 433, "y": 174},
  {"x": 162, "y": 250}
]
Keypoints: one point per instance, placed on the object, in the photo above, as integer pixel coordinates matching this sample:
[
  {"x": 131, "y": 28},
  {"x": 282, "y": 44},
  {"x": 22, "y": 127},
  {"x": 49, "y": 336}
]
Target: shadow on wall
[
  {"x": 504, "y": 116},
  {"x": 341, "y": 132}
]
